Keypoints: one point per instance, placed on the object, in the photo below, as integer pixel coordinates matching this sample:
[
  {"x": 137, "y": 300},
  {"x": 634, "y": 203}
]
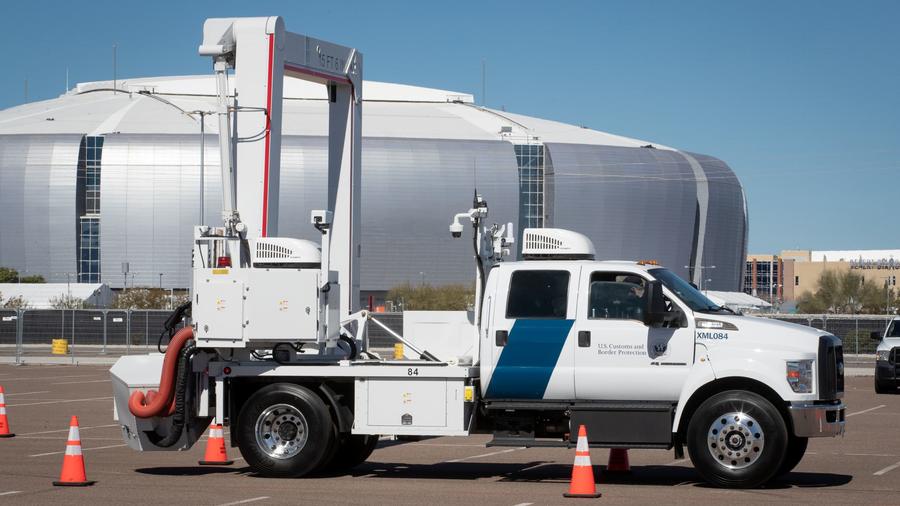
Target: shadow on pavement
[
  {"x": 534, "y": 471},
  {"x": 191, "y": 470}
]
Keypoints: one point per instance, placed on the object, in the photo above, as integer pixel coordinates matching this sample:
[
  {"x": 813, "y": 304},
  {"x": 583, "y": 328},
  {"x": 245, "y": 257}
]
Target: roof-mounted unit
[
  {"x": 285, "y": 252},
  {"x": 556, "y": 244}
]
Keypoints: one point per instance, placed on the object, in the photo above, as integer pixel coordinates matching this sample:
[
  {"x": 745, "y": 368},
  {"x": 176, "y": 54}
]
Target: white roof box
[
  {"x": 285, "y": 252},
  {"x": 557, "y": 244}
]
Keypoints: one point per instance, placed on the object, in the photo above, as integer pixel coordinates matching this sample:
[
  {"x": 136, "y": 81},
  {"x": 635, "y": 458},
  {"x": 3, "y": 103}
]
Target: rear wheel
[
  {"x": 284, "y": 430},
  {"x": 796, "y": 448},
  {"x": 351, "y": 451},
  {"x": 737, "y": 439}
]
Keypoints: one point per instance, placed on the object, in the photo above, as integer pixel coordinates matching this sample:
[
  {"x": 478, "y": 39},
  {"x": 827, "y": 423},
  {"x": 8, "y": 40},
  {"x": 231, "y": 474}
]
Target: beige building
[{"x": 785, "y": 277}]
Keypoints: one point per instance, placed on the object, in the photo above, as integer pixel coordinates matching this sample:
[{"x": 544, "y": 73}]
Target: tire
[
  {"x": 744, "y": 424},
  {"x": 285, "y": 430},
  {"x": 796, "y": 448},
  {"x": 350, "y": 451},
  {"x": 884, "y": 387}
]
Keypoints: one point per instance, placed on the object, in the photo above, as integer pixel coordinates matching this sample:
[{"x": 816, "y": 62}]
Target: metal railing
[
  {"x": 87, "y": 332},
  {"x": 112, "y": 332}
]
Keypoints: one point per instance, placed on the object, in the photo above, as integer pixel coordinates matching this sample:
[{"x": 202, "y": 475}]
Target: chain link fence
[
  {"x": 854, "y": 330},
  {"x": 113, "y": 332}
]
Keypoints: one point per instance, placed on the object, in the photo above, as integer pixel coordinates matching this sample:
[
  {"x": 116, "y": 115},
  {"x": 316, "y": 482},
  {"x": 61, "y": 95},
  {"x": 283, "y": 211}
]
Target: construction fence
[{"x": 113, "y": 332}]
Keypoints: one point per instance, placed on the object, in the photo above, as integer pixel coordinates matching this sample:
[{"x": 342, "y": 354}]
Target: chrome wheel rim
[
  {"x": 281, "y": 431},
  {"x": 735, "y": 440}
]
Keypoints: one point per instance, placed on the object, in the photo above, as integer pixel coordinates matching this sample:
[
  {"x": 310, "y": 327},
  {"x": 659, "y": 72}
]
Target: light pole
[{"x": 701, "y": 267}]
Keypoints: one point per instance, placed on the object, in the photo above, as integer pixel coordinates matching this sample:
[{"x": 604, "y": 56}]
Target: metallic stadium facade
[{"x": 98, "y": 179}]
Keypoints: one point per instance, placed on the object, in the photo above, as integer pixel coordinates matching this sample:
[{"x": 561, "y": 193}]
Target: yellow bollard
[
  {"x": 59, "y": 347},
  {"x": 398, "y": 351}
]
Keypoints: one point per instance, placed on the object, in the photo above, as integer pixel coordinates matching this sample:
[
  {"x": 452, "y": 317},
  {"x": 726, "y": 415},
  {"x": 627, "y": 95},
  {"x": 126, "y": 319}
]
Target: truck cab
[
  {"x": 644, "y": 360},
  {"x": 886, "y": 363}
]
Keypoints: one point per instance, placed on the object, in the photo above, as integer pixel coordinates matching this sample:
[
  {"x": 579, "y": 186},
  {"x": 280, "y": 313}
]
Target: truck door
[
  {"x": 619, "y": 357},
  {"x": 533, "y": 316}
]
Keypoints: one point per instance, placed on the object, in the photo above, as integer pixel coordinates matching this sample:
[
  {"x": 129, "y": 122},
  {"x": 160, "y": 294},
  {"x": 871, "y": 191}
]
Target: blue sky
[{"x": 800, "y": 98}]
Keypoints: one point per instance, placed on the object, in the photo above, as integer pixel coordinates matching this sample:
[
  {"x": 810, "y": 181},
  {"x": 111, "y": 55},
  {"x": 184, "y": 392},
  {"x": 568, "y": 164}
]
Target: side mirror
[
  {"x": 876, "y": 336},
  {"x": 654, "y": 304}
]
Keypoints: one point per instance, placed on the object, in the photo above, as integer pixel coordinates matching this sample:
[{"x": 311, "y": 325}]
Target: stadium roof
[{"x": 162, "y": 105}]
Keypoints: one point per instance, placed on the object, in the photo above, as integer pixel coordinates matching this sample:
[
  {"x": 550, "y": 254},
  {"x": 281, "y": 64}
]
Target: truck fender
[
  {"x": 701, "y": 373},
  {"x": 343, "y": 414},
  {"x": 718, "y": 364}
]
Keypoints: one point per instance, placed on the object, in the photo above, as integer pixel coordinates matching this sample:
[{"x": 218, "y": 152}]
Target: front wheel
[
  {"x": 795, "y": 450},
  {"x": 884, "y": 387},
  {"x": 737, "y": 439},
  {"x": 285, "y": 430}
]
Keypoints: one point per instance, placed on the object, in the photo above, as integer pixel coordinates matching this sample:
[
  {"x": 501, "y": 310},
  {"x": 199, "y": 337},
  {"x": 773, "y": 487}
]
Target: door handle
[
  {"x": 501, "y": 337},
  {"x": 584, "y": 338}
]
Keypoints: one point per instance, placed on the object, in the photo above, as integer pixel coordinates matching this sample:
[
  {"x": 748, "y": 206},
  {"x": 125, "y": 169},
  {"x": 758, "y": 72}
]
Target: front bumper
[
  {"x": 812, "y": 419},
  {"x": 885, "y": 371}
]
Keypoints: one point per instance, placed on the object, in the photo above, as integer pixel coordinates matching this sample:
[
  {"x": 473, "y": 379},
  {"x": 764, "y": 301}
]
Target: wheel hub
[
  {"x": 281, "y": 431},
  {"x": 735, "y": 440}
]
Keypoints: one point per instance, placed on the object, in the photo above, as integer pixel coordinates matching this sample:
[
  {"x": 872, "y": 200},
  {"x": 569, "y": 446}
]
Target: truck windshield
[
  {"x": 687, "y": 293},
  {"x": 894, "y": 329}
]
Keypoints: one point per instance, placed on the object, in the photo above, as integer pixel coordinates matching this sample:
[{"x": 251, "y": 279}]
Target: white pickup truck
[
  {"x": 628, "y": 349},
  {"x": 886, "y": 360}
]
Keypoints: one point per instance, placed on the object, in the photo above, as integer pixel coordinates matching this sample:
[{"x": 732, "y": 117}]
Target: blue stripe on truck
[{"x": 528, "y": 359}]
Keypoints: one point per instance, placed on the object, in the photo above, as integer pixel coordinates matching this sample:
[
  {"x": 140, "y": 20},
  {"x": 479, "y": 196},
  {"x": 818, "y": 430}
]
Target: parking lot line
[
  {"x": 11, "y": 492},
  {"x": 887, "y": 469},
  {"x": 67, "y": 430},
  {"x": 80, "y": 382},
  {"x": 60, "y": 402},
  {"x": 83, "y": 449},
  {"x": 29, "y": 393},
  {"x": 47, "y": 377},
  {"x": 245, "y": 501},
  {"x": 865, "y": 411},
  {"x": 484, "y": 455}
]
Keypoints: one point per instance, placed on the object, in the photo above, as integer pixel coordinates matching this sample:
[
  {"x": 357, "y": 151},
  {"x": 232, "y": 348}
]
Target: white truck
[
  {"x": 886, "y": 360},
  {"x": 277, "y": 351}
]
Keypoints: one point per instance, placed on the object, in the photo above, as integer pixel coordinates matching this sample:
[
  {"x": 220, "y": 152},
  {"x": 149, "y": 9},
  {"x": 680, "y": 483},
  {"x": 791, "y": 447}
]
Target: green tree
[
  {"x": 17, "y": 302},
  {"x": 844, "y": 292},
  {"x": 432, "y": 298},
  {"x": 142, "y": 298},
  {"x": 66, "y": 301},
  {"x": 8, "y": 275}
]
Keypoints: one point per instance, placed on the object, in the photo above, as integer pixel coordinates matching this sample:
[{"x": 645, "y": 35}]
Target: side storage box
[{"x": 402, "y": 406}]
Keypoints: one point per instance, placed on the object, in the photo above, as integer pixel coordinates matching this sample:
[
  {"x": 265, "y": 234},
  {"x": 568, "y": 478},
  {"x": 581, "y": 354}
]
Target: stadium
[{"x": 104, "y": 183}]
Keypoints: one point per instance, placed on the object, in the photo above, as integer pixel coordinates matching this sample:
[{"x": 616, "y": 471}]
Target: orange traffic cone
[
  {"x": 215, "y": 448},
  {"x": 72, "y": 474},
  {"x": 618, "y": 461},
  {"x": 582, "y": 484},
  {"x": 4, "y": 423}
]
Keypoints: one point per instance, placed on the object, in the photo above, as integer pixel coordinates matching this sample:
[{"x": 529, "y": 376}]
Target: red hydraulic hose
[{"x": 160, "y": 403}]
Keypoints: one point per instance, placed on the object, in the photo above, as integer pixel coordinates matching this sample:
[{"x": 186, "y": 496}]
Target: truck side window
[
  {"x": 616, "y": 296},
  {"x": 538, "y": 294}
]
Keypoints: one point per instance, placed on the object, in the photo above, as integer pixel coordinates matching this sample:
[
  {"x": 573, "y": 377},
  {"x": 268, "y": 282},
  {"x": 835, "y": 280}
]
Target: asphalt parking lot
[{"x": 862, "y": 467}]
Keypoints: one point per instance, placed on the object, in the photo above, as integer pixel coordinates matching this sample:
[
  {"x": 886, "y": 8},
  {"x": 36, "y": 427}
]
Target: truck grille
[{"x": 831, "y": 367}]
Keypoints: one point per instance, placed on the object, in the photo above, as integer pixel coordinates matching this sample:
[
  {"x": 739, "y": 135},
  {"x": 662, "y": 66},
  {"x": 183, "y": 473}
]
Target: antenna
[
  {"x": 67, "y": 79},
  {"x": 26, "y": 89},
  {"x": 475, "y": 180}
]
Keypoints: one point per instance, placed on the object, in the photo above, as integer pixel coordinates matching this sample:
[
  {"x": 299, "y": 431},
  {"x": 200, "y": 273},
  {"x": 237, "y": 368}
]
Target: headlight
[
  {"x": 882, "y": 355},
  {"x": 800, "y": 375}
]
